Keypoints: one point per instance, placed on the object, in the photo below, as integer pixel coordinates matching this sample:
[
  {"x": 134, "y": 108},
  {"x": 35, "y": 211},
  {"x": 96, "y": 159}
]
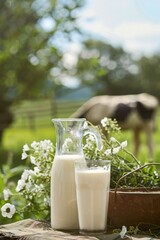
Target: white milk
[
  {"x": 92, "y": 198},
  {"x": 64, "y": 214}
]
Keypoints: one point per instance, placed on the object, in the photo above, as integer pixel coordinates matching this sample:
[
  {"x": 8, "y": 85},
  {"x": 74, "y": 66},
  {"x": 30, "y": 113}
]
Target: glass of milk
[{"x": 92, "y": 179}]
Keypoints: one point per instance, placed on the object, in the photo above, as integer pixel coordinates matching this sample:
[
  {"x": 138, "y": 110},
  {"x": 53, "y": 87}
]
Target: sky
[{"x": 131, "y": 24}]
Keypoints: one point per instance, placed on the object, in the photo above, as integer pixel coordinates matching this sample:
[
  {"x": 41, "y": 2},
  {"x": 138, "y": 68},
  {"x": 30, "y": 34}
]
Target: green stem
[
  {"x": 132, "y": 155},
  {"x": 133, "y": 171}
]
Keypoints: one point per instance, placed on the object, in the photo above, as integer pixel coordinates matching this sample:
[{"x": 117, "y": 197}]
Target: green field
[{"x": 33, "y": 123}]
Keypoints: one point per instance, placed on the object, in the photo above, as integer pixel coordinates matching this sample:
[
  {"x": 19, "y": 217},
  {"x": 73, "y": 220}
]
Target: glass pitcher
[{"x": 69, "y": 134}]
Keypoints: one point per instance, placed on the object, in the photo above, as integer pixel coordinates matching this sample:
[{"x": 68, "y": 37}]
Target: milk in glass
[{"x": 92, "y": 186}]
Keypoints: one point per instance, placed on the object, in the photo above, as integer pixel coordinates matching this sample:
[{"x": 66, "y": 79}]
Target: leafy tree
[
  {"x": 109, "y": 70},
  {"x": 33, "y": 36},
  {"x": 149, "y": 74}
]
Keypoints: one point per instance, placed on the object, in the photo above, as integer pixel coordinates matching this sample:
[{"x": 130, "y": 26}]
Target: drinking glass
[{"x": 92, "y": 179}]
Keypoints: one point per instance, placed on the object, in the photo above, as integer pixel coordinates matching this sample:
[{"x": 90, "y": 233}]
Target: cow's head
[{"x": 144, "y": 111}]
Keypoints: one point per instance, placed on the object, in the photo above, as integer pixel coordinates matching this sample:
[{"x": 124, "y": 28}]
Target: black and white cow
[{"x": 136, "y": 112}]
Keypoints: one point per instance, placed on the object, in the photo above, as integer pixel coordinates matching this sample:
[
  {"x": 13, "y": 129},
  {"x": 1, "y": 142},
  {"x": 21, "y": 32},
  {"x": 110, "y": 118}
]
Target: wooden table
[{"x": 38, "y": 230}]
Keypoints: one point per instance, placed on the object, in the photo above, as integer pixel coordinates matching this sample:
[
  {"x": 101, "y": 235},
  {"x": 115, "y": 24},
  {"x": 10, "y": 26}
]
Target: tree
[
  {"x": 109, "y": 70},
  {"x": 31, "y": 46},
  {"x": 149, "y": 74}
]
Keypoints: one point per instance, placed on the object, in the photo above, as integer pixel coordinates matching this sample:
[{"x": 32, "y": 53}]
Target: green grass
[
  {"x": 26, "y": 130},
  {"x": 15, "y": 138},
  {"x": 143, "y": 154}
]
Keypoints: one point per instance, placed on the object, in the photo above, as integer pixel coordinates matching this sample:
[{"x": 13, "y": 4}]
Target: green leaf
[{"x": 2, "y": 183}]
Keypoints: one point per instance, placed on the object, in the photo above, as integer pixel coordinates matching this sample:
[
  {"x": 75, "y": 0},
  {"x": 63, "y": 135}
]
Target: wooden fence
[{"x": 36, "y": 114}]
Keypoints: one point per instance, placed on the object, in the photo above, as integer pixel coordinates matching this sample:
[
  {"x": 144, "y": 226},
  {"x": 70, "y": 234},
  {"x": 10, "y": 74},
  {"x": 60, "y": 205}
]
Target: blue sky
[{"x": 132, "y": 24}]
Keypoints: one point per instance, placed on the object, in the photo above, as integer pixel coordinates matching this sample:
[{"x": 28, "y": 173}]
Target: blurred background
[{"x": 56, "y": 54}]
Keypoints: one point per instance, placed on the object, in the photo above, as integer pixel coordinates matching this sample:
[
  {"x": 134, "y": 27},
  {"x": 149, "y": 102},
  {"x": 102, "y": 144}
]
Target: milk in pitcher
[
  {"x": 63, "y": 189},
  {"x": 69, "y": 148}
]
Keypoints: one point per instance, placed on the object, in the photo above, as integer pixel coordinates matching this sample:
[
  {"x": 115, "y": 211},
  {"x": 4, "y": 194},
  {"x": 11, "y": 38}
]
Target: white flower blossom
[
  {"x": 108, "y": 152},
  {"x": 21, "y": 184},
  {"x": 33, "y": 160},
  {"x": 28, "y": 185},
  {"x": 104, "y": 121},
  {"x": 124, "y": 144},
  {"x": 8, "y": 210},
  {"x": 24, "y": 155},
  {"x": 156, "y": 174},
  {"x": 44, "y": 147},
  {"x": 68, "y": 144},
  {"x": 36, "y": 170},
  {"x": 116, "y": 150},
  {"x": 123, "y": 232},
  {"x": 25, "y": 181},
  {"x": 91, "y": 138},
  {"x": 47, "y": 201},
  {"x": 34, "y": 145},
  {"x": 26, "y": 148},
  {"x": 6, "y": 194},
  {"x": 89, "y": 145},
  {"x": 112, "y": 139},
  {"x": 85, "y": 126},
  {"x": 26, "y": 173}
]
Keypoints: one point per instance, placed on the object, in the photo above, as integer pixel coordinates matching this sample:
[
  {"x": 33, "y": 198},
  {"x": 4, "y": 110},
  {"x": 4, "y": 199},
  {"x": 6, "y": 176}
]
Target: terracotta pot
[{"x": 131, "y": 207}]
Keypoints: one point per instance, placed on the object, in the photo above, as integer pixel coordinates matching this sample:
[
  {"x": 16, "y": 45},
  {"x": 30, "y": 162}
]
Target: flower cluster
[
  {"x": 33, "y": 188},
  {"x": 110, "y": 145},
  {"x": 34, "y": 185}
]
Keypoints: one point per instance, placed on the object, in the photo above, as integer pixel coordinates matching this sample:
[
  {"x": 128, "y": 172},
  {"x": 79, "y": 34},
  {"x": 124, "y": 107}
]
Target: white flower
[
  {"x": 6, "y": 194},
  {"x": 112, "y": 139},
  {"x": 91, "y": 138},
  {"x": 36, "y": 170},
  {"x": 68, "y": 144},
  {"x": 20, "y": 185},
  {"x": 104, "y": 121},
  {"x": 116, "y": 150},
  {"x": 8, "y": 210},
  {"x": 43, "y": 148},
  {"x": 108, "y": 152},
  {"x": 25, "y": 148},
  {"x": 34, "y": 145},
  {"x": 85, "y": 126},
  {"x": 47, "y": 201},
  {"x": 24, "y": 155},
  {"x": 33, "y": 160},
  {"x": 156, "y": 174},
  {"x": 123, "y": 232},
  {"x": 89, "y": 145},
  {"x": 26, "y": 173},
  {"x": 124, "y": 144},
  {"x": 28, "y": 185}
]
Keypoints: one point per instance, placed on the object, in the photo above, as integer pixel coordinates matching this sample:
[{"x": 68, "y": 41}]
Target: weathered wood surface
[{"x": 38, "y": 230}]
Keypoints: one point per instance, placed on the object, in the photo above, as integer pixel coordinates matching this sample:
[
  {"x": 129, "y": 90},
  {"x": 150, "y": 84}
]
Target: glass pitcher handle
[{"x": 95, "y": 133}]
